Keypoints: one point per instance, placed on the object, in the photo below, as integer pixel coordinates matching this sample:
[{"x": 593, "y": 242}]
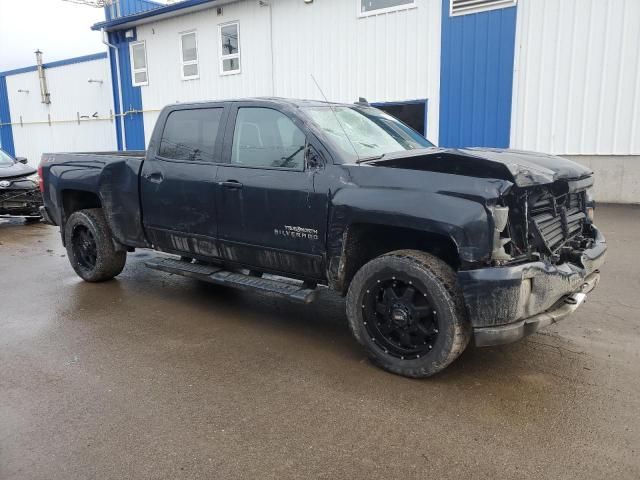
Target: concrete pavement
[{"x": 158, "y": 376}]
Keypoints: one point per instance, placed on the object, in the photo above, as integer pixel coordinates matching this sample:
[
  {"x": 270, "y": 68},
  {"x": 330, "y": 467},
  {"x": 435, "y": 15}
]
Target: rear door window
[
  {"x": 264, "y": 137},
  {"x": 190, "y": 135}
]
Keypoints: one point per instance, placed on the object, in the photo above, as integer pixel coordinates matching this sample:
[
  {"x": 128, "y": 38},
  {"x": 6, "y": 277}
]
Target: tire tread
[
  {"x": 110, "y": 262},
  {"x": 446, "y": 276}
]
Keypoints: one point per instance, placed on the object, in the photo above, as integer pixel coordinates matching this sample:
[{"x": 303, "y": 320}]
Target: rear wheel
[
  {"x": 406, "y": 310},
  {"x": 90, "y": 246}
]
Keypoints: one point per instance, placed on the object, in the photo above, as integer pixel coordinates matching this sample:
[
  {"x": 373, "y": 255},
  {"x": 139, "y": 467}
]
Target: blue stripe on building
[
  {"x": 57, "y": 63},
  {"x": 131, "y": 96},
  {"x": 476, "y": 77},
  {"x": 6, "y": 132}
]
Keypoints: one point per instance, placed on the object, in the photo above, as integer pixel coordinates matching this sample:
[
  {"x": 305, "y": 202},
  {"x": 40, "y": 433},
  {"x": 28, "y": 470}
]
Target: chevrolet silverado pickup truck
[{"x": 432, "y": 247}]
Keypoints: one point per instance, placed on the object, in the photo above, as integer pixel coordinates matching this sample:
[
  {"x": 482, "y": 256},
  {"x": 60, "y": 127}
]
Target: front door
[
  {"x": 177, "y": 181},
  {"x": 269, "y": 215}
]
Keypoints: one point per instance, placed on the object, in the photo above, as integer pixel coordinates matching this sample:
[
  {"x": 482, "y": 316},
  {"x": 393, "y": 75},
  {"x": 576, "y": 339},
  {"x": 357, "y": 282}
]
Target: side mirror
[
  {"x": 21, "y": 160},
  {"x": 313, "y": 159}
]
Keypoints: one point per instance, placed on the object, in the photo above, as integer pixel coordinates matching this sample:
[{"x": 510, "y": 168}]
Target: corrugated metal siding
[
  {"x": 163, "y": 56},
  {"x": 388, "y": 57},
  {"x": 384, "y": 58},
  {"x": 577, "y": 80},
  {"x": 70, "y": 94},
  {"x": 477, "y": 77}
]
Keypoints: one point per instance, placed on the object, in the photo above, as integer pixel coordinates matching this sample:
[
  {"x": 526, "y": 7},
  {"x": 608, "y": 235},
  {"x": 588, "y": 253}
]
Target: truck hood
[
  {"x": 520, "y": 167},
  {"x": 16, "y": 170}
]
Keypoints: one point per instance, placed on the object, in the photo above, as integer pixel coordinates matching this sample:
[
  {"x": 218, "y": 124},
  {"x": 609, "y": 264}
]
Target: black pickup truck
[{"x": 431, "y": 247}]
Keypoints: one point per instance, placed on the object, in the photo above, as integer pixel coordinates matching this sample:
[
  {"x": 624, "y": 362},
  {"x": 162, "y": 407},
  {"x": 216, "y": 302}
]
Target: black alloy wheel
[
  {"x": 91, "y": 248},
  {"x": 400, "y": 318},
  {"x": 84, "y": 247},
  {"x": 406, "y": 309}
]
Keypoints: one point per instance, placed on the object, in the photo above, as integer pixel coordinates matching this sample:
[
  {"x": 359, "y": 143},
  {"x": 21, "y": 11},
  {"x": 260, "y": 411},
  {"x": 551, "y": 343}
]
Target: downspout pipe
[
  {"x": 119, "y": 86},
  {"x": 44, "y": 90}
]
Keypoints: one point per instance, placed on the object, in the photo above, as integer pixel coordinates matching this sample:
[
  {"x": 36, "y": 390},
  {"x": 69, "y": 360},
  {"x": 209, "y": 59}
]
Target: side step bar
[{"x": 219, "y": 276}]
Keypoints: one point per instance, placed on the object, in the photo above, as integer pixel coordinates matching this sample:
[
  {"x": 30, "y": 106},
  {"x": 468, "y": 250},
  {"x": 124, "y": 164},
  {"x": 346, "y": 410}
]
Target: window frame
[
  {"x": 139, "y": 70},
  {"x": 232, "y": 123},
  {"x": 224, "y": 57},
  {"x": 382, "y": 11},
  {"x": 478, "y": 9},
  {"x": 184, "y": 63}
]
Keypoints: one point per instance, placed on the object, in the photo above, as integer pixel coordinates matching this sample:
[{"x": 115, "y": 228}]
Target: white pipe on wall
[{"x": 118, "y": 86}]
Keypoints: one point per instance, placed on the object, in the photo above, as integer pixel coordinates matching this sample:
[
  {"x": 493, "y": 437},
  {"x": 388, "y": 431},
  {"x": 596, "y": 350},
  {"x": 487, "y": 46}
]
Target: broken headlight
[
  {"x": 590, "y": 203},
  {"x": 35, "y": 178},
  {"x": 500, "y": 218}
]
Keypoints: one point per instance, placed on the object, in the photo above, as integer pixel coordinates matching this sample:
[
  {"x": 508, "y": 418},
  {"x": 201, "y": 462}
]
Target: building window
[
  {"x": 229, "y": 48},
  {"x": 189, "y": 55},
  {"x": 374, "y": 7},
  {"x": 464, "y": 7},
  {"x": 138, "y": 52}
]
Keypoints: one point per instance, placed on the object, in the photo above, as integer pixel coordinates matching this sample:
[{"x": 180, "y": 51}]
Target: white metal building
[
  {"x": 79, "y": 116},
  {"x": 558, "y": 76}
]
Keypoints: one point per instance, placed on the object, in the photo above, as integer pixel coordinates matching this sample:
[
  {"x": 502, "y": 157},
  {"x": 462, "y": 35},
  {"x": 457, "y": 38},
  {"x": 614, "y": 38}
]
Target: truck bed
[{"x": 111, "y": 177}]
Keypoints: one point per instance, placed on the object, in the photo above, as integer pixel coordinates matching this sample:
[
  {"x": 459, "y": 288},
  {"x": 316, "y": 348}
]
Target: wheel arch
[
  {"x": 73, "y": 200},
  {"x": 362, "y": 242}
]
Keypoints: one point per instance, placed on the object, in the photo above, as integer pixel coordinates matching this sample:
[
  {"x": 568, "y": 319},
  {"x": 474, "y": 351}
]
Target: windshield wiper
[{"x": 370, "y": 159}]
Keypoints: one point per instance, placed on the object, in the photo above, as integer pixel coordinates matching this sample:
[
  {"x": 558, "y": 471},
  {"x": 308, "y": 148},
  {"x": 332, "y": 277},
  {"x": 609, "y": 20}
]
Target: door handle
[
  {"x": 232, "y": 184},
  {"x": 155, "y": 177}
]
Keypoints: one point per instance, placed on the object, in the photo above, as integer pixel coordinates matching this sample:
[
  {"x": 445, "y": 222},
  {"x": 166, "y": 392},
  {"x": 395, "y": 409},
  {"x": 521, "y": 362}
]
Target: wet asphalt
[{"x": 159, "y": 376}]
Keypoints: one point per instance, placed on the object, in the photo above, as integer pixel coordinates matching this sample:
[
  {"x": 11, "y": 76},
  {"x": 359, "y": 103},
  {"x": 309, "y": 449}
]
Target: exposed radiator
[{"x": 558, "y": 219}]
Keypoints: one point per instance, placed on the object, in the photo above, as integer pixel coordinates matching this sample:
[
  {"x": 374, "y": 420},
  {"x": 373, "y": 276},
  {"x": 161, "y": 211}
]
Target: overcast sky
[{"x": 60, "y": 29}]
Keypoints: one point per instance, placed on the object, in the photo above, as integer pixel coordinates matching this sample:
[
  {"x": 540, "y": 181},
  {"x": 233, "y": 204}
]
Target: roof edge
[
  {"x": 57, "y": 63},
  {"x": 166, "y": 10}
]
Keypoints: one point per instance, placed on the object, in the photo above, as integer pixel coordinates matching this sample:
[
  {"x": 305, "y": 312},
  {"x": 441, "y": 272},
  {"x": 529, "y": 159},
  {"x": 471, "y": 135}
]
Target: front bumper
[
  {"x": 505, "y": 304},
  {"x": 20, "y": 202}
]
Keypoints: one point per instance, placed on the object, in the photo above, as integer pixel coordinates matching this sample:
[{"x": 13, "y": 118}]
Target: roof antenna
[{"x": 337, "y": 119}]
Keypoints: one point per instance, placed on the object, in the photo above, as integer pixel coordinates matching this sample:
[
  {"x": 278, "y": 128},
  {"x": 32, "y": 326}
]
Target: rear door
[
  {"x": 269, "y": 215},
  {"x": 177, "y": 181}
]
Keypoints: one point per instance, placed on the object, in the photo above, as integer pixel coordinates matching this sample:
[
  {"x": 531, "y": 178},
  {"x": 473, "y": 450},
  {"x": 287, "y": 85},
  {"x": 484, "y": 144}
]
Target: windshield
[
  {"x": 364, "y": 132},
  {"x": 5, "y": 159}
]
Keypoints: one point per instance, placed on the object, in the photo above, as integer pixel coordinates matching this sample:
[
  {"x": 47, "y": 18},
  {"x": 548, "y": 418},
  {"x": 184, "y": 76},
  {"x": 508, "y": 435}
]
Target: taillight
[{"x": 40, "y": 179}]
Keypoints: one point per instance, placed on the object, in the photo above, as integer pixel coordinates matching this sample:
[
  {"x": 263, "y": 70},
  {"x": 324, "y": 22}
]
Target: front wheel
[
  {"x": 406, "y": 309},
  {"x": 90, "y": 246}
]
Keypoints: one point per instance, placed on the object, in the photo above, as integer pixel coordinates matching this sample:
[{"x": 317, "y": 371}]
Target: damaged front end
[
  {"x": 545, "y": 222},
  {"x": 19, "y": 197},
  {"x": 545, "y": 250},
  {"x": 545, "y": 260}
]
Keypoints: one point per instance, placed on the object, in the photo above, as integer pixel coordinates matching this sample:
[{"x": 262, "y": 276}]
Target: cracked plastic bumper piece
[
  {"x": 506, "y": 303},
  {"x": 499, "y": 335}
]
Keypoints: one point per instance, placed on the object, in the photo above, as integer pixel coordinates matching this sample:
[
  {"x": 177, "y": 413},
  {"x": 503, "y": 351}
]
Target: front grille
[{"x": 558, "y": 219}]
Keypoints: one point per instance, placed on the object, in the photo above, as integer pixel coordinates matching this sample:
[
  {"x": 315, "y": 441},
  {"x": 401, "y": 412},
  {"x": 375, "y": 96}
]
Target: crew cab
[{"x": 432, "y": 247}]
